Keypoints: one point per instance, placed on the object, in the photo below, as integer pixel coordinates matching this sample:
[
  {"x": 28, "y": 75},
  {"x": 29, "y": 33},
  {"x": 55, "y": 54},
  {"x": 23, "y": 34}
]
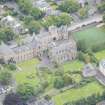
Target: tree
[
  {"x": 13, "y": 99},
  {"x": 58, "y": 82},
  {"x": 67, "y": 79},
  {"x": 34, "y": 26},
  {"x": 12, "y": 67},
  {"x": 26, "y": 91},
  {"x": 81, "y": 45},
  {"x": 81, "y": 56},
  {"x": 101, "y": 7},
  {"x": 69, "y": 6},
  {"x": 5, "y": 78},
  {"x": 25, "y": 6},
  {"x": 36, "y": 13},
  {"x": 63, "y": 19},
  {"x": 83, "y": 13},
  {"x": 6, "y": 34}
]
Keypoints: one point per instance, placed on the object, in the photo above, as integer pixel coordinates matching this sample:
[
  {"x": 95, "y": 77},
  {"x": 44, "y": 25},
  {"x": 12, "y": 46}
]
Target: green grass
[
  {"x": 92, "y": 36},
  {"x": 73, "y": 66},
  {"x": 100, "y": 55},
  {"x": 76, "y": 94},
  {"x": 28, "y": 69}
]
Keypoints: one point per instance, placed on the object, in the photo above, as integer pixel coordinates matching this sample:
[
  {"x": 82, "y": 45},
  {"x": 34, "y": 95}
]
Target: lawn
[
  {"x": 28, "y": 69},
  {"x": 27, "y": 74},
  {"x": 91, "y": 36},
  {"x": 100, "y": 55},
  {"x": 73, "y": 66},
  {"x": 76, "y": 94}
]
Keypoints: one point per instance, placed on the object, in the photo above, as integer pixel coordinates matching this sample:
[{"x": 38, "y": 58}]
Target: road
[
  {"x": 96, "y": 18},
  {"x": 1, "y": 99}
]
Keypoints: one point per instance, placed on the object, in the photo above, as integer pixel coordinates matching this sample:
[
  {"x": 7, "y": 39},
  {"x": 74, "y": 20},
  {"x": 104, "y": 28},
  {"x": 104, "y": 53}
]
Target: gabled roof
[{"x": 5, "y": 49}]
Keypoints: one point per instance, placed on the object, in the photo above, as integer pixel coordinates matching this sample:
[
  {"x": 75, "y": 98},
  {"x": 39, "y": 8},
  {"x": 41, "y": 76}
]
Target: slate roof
[{"x": 5, "y": 49}]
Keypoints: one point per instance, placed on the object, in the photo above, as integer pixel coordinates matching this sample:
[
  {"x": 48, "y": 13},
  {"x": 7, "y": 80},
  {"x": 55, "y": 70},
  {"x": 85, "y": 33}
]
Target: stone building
[
  {"x": 14, "y": 24},
  {"x": 55, "y": 44},
  {"x": 91, "y": 2},
  {"x": 46, "y": 37},
  {"x": 62, "y": 51}
]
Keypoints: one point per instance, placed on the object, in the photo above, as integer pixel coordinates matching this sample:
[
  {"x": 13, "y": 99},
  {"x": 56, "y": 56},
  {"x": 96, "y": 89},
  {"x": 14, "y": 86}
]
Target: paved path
[
  {"x": 96, "y": 18},
  {"x": 1, "y": 99}
]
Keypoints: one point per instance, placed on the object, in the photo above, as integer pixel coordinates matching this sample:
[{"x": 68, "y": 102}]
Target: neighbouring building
[
  {"x": 2, "y": 11},
  {"x": 101, "y": 103},
  {"x": 102, "y": 67},
  {"x": 55, "y": 44},
  {"x": 98, "y": 72},
  {"x": 41, "y": 102},
  {"x": 14, "y": 24},
  {"x": 90, "y": 2}
]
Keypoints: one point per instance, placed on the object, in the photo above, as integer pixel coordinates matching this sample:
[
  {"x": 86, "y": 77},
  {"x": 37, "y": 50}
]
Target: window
[{"x": 54, "y": 38}]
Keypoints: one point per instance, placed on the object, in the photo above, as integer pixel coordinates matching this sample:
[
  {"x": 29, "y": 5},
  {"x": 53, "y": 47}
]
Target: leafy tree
[
  {"x": 83, "y": 13},
  {"x": 101, "y": 7},
  {"x": 67, "y": 79},
  {"x": 58, "y": 82},
  {"x": 36, "y": 13},
  {"x": 63, "y": 19},
  {"x": 81, "y": 56},
  {"x": 25, "y": 6},
  {"x": 12, "y": 67},
  {"x": 81, "y": 45},
  {"x": 34, "y": 26},
  {"x": 6, "y": 34},
  {"x": 25, "y": 91},
  {"x": 5, "y": 78},
  {"x": 69, "y": 6}
]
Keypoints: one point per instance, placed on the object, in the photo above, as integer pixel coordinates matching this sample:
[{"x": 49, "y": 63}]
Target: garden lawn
[
  {"x": 91, "y": 36},
  {"x": 100, "y": 55},
  {"x": 73, "y": 66},
  {"x": 76, "y": 94},
  {"x": 27, "y": 74}
]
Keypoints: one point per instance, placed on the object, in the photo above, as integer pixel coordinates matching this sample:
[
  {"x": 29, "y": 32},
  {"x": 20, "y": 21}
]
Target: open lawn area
[
  {"x": 100, "y": 55},
  {"x": 91, "y": 36},
  {"x": 73, "y": 66},
  {"x": 27, "y": 74},
  {"x": 76, "y": 94}
]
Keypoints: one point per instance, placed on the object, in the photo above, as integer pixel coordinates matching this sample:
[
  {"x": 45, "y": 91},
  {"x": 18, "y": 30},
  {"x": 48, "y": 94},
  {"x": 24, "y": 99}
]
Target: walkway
[{"x": 94, "y": 19}]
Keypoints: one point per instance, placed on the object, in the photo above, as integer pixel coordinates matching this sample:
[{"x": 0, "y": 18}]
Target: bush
[
  {"x": 58, "y": 82},
  {"x": 12, "y": 67},
  {"x": 69, "y": 6}
]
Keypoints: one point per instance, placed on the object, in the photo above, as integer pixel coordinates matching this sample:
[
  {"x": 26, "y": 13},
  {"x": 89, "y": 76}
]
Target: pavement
[
  {"x": 1, "y": 99},
  {"x": 96, "y": 18}
]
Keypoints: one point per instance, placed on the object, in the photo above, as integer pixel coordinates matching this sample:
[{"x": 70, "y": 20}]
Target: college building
[{"x": 56, "y": 44}]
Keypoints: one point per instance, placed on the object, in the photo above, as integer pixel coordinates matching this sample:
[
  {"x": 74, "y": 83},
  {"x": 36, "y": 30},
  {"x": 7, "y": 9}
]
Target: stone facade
[
  {"x": 55, "y": 44},
  {"x": 92, "y": 2}
]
